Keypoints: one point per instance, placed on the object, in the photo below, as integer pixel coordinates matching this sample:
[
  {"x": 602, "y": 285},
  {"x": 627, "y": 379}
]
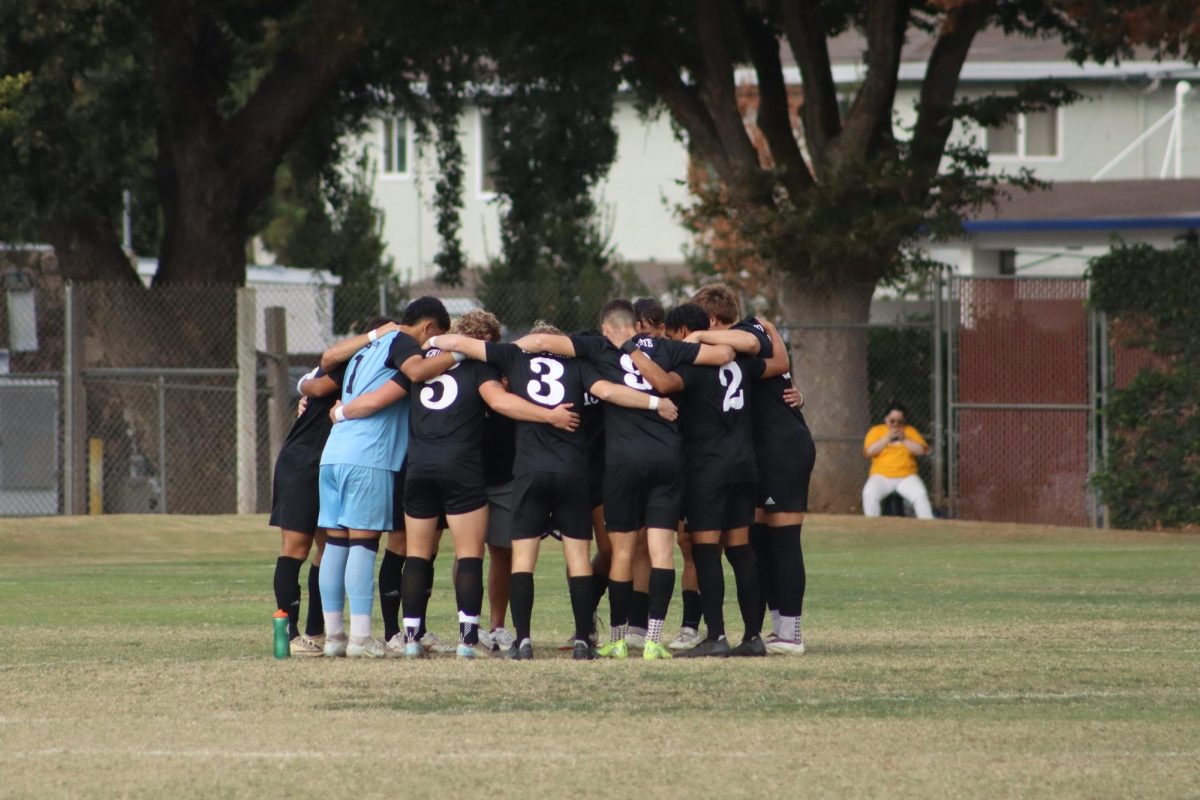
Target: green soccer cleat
[
  {"x": 654, "y": 651},
  {"x": 617, "y": 649}
]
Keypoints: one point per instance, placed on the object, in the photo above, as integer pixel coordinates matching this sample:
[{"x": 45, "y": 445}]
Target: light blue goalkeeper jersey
[{"x": 379, "y": 441}]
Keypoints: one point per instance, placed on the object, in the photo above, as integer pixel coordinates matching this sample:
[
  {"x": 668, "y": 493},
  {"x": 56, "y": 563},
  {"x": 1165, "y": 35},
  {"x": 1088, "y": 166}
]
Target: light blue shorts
[{"x": 356, "y": 497}]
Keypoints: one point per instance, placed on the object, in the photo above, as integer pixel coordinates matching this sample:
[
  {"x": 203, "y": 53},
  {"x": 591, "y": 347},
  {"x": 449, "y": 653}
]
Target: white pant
[{"x": 910, "y": 488}]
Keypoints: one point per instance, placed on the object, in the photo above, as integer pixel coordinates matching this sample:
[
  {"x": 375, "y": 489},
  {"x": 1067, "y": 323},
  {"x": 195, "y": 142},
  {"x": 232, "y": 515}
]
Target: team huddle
[{"x": 657, "y": 430}]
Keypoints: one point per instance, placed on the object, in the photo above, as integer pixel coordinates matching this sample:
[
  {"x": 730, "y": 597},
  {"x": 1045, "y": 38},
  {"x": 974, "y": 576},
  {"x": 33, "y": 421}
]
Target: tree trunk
[
  {"x": 828, "y": 342},
  {"x": 88, "y": 250},
  {"x": 204, "y": 229}
]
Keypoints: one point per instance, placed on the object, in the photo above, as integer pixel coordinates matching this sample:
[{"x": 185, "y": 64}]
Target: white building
[{"x": 1123, "y": 130}]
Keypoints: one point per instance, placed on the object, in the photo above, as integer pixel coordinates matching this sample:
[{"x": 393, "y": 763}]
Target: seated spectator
[{"x": 893, "y": 448}]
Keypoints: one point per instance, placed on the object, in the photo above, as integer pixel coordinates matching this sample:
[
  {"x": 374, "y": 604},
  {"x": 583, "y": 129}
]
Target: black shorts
[
  {"x": 783, "y": 482},
  {"x": 551, "y": 500},
  {"x": 295, "y": 499},
  {"x": 596, "y": 482},
  {"x": 500, "y": 515},
  {"x": 717, "y": 507},
  {"x": 398, "y": 501},
  {"x": 428, "y": 498},
  {"x": 646, "y": 494}
]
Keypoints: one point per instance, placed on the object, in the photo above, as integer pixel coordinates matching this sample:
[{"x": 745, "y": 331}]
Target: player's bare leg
[{"x": 500, "y": 568}]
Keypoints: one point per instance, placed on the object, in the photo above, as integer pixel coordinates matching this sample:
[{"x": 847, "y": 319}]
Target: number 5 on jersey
[{"x": 437, "y": 399}]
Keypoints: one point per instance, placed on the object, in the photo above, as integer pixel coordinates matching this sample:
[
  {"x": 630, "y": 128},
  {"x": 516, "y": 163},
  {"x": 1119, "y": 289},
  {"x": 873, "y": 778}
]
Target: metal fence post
[
  {"x": 247, "y": 416},
  {"x": 939, "y": 391},
  {"x": 277, "y": 377},
  {"x": 1106, "y": 380},
  {"x": 952, "y": 296},
  {"x": 162, "y": 444},
  {"x": 74, "y": 408}
]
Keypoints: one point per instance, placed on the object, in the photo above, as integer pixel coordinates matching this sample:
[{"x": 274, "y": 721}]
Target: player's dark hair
[
  {"x": 649, "y": 311},
  {"x": 426, "y": 308},
  {"x": 687, "y": 315},
  {"x": 895, "y": 406},
  {"x": 619, "y": 312},
  {"x": 371, "y": 323}
]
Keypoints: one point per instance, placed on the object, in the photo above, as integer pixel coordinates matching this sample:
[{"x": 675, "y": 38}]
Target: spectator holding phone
[{"x": 893, "y": 449}]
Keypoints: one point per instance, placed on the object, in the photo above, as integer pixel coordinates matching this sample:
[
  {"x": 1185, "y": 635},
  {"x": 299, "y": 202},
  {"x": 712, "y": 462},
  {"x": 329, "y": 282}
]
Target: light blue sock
[
  {"x": 360, "y": 584},
  {"x": 333, "y": 583}
]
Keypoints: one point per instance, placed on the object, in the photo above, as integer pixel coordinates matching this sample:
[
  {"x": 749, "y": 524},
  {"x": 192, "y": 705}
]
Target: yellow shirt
[{"x": 894, "y": 460}]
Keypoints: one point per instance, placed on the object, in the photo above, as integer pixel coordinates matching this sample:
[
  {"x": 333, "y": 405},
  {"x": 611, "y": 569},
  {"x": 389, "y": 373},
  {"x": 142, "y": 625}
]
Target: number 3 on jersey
[
  {"x": 731, "y": 378},
  {"x": 435, "y": 399},
  {"x": 633, "y": 378},
  {"x": 546, "y": 388}
]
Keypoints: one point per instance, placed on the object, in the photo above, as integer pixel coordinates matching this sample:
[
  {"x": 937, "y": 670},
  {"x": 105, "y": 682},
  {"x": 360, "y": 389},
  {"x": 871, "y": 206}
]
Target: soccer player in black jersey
[
  {"x": 643, "y": 483},
  {"x": 294, "y": 508},
  {"x": 719, "y": 500},
  {"x": 550, "y": 473},
  {"x": 786, "y": 454}
]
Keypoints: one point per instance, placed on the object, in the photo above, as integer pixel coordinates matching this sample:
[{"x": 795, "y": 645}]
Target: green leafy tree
[{"x": 1151, "y": 474}]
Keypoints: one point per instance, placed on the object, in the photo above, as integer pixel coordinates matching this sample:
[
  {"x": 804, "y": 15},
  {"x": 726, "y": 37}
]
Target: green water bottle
[{"x": 283, "y": 647}]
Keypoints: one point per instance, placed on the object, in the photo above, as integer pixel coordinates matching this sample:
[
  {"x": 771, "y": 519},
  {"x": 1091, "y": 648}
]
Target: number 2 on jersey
[
  {"x": 731, "y": 378},
  {"x": 546, "y": 388}
]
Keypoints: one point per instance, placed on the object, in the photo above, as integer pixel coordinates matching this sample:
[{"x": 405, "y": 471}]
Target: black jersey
[
  {"x": 306, "y": 440},
  {"x": 715, "y": 419},
  {"x": 546, "y": 380},
  {"x": 403, "y": 348},
  {"x": 446, "y": 421},
  {"x": 591, "y": 417},
  {"x": 499, "y": 448},
  {"x": 632, "y": 434},
  {"x": 779, "y": 429}
]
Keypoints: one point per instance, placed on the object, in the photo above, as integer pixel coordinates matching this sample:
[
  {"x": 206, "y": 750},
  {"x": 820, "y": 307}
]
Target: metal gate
[{"x": 1022, "y": 400}]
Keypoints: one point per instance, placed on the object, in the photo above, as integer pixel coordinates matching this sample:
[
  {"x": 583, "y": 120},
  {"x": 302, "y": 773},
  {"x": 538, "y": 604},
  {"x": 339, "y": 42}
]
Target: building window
[
  {"x": 488, "y": 153},
  {"x": 1032, "y": 135},
  {"x": 395, "y": 146}
]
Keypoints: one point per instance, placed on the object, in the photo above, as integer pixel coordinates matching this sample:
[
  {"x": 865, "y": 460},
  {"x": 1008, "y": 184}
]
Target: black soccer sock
[
  {"x": 691, "y": 610},
  {"x": 414, "y": 592},
  {"x": 520, "y": 598},
  {"x": 764, "y": 556},
  {"x": 619, "y": 595},
  {"x": 315, "y": 624},
  {"x": 468, "y": 591},
  {"x": 582, "y": 592},
  {"x": 287, "y": 591},
  {"x": 711, "y": 578},
  {"x": 428, "y": 593},
  {"x": 745, "y": 575},
  {"x": 599, "y": 587},
  {"x": 789, "y": 573},
  {"x": 391, "y": 571},
  {"x": 662, "y": 586},
  {"x": 639, "y": 609}
]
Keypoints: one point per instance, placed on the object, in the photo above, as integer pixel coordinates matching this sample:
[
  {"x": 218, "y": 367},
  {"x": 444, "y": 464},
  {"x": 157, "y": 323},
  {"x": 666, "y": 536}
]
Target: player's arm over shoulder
[
  {"x": 547, "y": 343},
  {"x": 375, "y": 400}
]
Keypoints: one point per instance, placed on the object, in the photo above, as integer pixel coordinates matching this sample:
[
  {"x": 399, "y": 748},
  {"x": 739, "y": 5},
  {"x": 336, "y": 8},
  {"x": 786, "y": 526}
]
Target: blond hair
[{"x": 478, "y": 324}]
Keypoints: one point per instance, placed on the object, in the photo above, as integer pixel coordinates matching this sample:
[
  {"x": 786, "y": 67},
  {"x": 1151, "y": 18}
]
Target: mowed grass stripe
[{"x": 947, "y": 659}]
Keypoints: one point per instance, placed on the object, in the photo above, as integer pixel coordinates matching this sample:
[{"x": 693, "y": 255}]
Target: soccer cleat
[
  {"x": 413, "y": 649},
  {"x": 520, "y": 652},
  {"x": 365, "y": 647},
  {"x": 395, "y": 645},
  {"x": 432, "y": 644},
  {"x": 636, "y": 638},
  {"x": 709, "y": 648},
  {"x": 618, "y": 649},
  {"x": 499, "y": 638},
  {"x": 470, "y": 651},
  {"x": 335, "y": 645},
  {"x": 654, "y": 651},
  {"x": 786, "y": 648},
  {"x": 687, "y": 639},
  {"x": 583, "y": 651},
  {"x": 750, "y": 646},
  {"x": 305, "y": 646},
  {"x": 771, "y": 637}
]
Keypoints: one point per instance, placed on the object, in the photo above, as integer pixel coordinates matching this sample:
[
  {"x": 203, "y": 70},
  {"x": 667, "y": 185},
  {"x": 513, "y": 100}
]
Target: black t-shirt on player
[
  {"x": 306, "y": 440},
  {"x": 403, "y": 348},
  {"x": 776, "y": 424},
  {"x": 549, "y": 381},
  {"x": 632, "y": 434},
  {"x": 715, "y": 419},
  {"x": 499, "y": 448},
  {"x": 446, "y": 421}
]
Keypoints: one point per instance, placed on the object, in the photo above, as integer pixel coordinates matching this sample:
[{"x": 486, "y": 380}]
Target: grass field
[{"x": 945, "y": 660}]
